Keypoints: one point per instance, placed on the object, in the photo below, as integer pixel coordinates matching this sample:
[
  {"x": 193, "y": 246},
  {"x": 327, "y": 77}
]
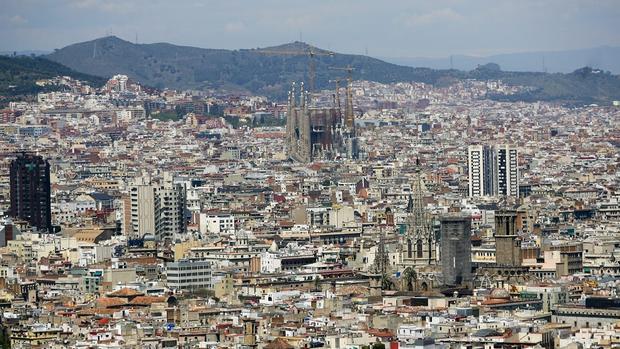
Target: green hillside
[
  {"x": 269, "y": 71},
  {"x": 583, "y": 86},
  {"x": 19, "y": 74},
  {"x": 255, "y": 70}
]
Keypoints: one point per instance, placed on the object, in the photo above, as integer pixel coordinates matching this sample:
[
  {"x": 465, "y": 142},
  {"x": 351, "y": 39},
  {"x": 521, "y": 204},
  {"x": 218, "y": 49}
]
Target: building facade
[
  {"x": 186, "y": 275},
  {"x": 314, "y": 133},
  {"x": 507, "y": 242},
  {"x": 493, "y": 171},
  {"x": 456, "y": 249},
  {"x": 30, "y": 191},
  {"x": 420, "y": 244},
  {"x": 157, "y": 208},
  {"x": 507, "y": 170}
]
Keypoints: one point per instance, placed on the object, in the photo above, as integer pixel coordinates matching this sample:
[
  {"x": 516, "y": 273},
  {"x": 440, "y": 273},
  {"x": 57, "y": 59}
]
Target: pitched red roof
[
  {"x": 106, "y": 302},
  {"x": 125, "y": 292},
  {"x": 279, "y": 343},
  {"x": 385, "y": 333},
  {"x": 147, "y": 300}
]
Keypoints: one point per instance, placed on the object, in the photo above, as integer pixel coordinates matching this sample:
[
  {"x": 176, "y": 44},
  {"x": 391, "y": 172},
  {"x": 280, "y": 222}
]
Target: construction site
[{"x": 320, "y": 133}]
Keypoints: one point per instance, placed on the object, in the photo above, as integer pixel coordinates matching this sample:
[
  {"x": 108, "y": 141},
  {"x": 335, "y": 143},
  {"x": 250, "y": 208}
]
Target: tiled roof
[
  {"x": 125, "y": 292},
  {"x": 147, "y": 300},
  {"x": 380, "y": 333},
  {"x": 107, "y": 302},
  {"x": 279, "y": 343}
]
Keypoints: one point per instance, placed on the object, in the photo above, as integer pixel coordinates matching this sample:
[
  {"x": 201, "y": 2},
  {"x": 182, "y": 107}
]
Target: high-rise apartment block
[
  {"x": 493, "y": 171},
  {"x": 507, "y": 170},
  {"x": 477, "y": 163},
  {"x": 157, "y": 208},
  {"x": 30, "y": 191}
]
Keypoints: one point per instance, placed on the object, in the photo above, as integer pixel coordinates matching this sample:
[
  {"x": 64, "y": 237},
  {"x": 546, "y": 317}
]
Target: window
[
  {"x": 419, "y": 251},
  {"x": 409, "y": 249}
]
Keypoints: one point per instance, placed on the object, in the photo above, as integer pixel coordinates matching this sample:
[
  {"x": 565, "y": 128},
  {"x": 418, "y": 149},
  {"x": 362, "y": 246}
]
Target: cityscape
[{"x": 325, "y": 200}]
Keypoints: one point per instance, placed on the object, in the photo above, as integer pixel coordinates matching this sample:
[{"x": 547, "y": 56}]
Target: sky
[{"x": 381, "y": 28}]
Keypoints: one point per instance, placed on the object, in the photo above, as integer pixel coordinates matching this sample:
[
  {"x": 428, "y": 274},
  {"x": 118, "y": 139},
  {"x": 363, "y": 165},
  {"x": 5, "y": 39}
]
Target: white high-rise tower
[{"x": 493, "y": 170}]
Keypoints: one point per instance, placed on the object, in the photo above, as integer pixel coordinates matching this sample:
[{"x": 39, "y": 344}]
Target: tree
[
  {"x": 410, "y": 277},
  {"x": 378, "y": 345},
  {"x": 317, "y": 283},
  {"x": 5, "y": 341},
  {"x": 386, "y": 282}
]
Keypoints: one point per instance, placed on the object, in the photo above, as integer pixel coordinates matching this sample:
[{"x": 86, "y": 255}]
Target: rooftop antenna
[
  {"x": 301, "y": 37},
  {"x": 136, "y": 38},
  {"x": 312, "y": 70}
]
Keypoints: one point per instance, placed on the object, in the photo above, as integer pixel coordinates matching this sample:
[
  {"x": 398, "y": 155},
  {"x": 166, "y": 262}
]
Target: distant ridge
[
  {"x": 604, "y": 57},
  {"x": 270, "y": 70},
  {"x": 24, "y": 53},
  {"x": 164, "y": 65}
]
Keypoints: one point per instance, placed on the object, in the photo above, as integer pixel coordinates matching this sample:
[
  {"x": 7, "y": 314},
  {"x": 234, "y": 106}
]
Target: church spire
[
  {"x": 419, "y": 228},
  {"x": 418, "y": 214}
]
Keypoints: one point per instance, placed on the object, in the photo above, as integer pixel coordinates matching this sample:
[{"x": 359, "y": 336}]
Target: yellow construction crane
[{"x": 311, "y": 53}]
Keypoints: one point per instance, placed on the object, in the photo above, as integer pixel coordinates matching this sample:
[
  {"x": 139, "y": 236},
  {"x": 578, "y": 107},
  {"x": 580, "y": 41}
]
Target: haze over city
[
  {"x": 416, "y": 28},
  {"x": 318, "y": 174}
]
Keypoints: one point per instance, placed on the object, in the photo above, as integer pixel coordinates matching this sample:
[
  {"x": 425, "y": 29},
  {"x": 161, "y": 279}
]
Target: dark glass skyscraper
[{"x": 30, "y": 191}]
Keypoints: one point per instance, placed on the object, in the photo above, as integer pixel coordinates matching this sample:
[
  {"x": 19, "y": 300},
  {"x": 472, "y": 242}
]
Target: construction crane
[
  {"x": 310, "y": 52},
  {"x": 337, "y": 96},
  {"x": 349, "y": 118},
  {"x": 349, "y": 69}
]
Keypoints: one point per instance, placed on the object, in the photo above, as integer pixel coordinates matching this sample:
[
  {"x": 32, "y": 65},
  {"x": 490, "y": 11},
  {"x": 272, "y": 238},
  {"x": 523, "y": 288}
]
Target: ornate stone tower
[
  {"x": 419, "y": 241},
  {"x": 507, "y": 241},
  {"x": 319, "y": 133},
  {"x": 250, "y": 327}
]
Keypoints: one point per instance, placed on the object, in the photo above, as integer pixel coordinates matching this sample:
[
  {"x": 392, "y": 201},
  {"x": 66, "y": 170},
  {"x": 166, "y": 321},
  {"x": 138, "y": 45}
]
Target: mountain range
[
  {"x": 604, "y": 58},
  {"x": 269, "y": 71}
]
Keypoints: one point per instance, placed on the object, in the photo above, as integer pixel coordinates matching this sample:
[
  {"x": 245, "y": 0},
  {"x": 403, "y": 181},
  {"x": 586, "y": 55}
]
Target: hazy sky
[{"x": 399, "y": 28}]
